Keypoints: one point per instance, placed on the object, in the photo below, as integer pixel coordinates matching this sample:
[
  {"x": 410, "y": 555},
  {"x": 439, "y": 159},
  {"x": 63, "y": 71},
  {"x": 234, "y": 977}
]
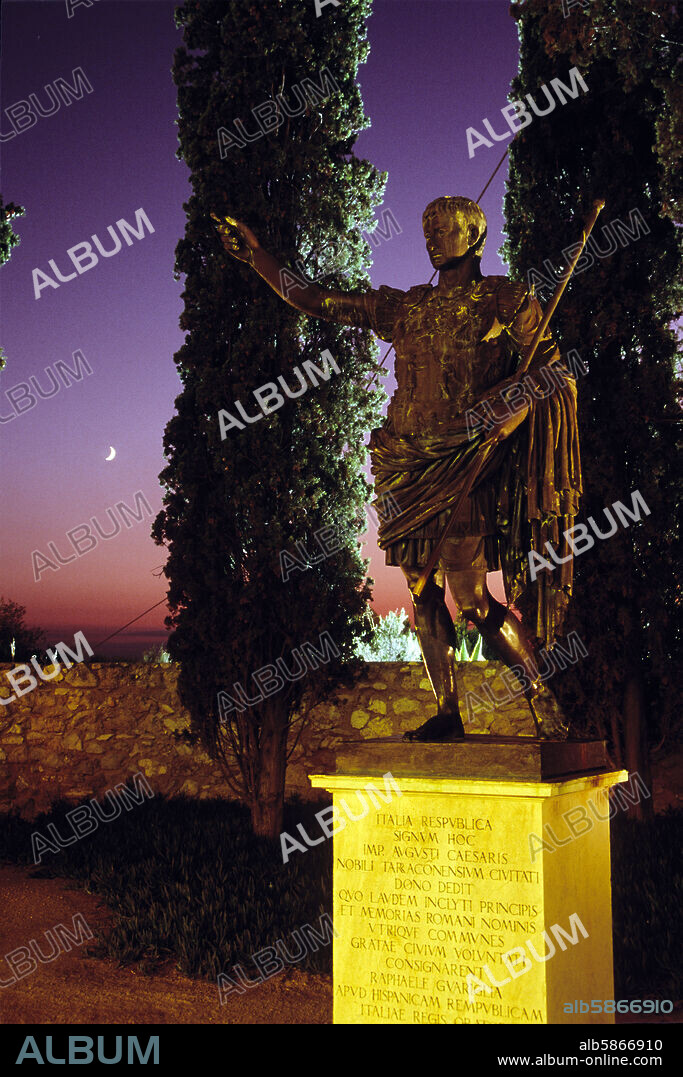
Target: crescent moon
[{"x": 112, "y": 453}]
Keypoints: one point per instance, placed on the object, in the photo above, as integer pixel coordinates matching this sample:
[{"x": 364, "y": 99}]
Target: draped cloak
[{"x": 455, "y": 348}]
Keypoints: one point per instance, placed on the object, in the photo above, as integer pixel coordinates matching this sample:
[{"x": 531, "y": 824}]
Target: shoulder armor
[
  {"x": 510, "y": 298},
  {"x": 492, "y": 283},
  {"x": 417, "y": 292},
  {"x": 383, "y": 309}
]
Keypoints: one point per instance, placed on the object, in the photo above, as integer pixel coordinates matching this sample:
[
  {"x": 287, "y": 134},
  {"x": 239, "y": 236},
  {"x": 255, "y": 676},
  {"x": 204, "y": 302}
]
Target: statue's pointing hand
[{"x": 237, "y": 239}]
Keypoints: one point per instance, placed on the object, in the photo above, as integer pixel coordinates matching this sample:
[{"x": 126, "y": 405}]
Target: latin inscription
[{"x": 432, "y": 899}]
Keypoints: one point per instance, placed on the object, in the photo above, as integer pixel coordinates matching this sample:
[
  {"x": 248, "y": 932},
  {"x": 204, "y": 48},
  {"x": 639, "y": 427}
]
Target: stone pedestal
[{"x": 471, "y": 881}]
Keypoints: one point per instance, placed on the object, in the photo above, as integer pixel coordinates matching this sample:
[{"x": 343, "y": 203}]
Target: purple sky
[{"x": 435, "y": 68}]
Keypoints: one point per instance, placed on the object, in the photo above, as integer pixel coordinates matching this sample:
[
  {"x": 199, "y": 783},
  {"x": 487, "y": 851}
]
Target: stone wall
[{"x": 97, "y": 724}]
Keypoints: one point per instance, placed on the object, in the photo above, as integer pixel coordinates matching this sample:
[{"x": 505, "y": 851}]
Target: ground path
[{"x": 75, "y": 988}]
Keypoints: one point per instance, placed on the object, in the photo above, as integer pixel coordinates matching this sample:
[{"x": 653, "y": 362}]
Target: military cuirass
[{"x": 443, "y": 363}]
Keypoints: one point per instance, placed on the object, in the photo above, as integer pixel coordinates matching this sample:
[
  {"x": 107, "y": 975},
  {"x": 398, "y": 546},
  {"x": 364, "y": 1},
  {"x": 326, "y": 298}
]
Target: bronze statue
[{"x": 458, "y": 344}]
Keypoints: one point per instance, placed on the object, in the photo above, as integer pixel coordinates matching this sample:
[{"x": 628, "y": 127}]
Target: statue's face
[{"x": 448, "y": 237}]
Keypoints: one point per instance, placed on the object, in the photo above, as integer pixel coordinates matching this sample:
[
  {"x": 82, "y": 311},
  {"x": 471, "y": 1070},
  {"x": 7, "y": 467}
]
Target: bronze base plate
[{"x": 477, "y": 756}]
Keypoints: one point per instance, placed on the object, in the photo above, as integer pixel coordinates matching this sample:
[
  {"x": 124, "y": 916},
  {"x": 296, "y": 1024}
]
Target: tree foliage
[
  {"x": 14, "y": 633},
  {"x": 8, "y": 238},
  {"x": 620, "y": 141},
  {"x": 231, "y": 506},
  {"x": 392, "y": 640}
]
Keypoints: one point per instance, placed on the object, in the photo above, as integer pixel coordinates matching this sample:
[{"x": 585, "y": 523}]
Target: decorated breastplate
[{"x": 443, "y": 364}]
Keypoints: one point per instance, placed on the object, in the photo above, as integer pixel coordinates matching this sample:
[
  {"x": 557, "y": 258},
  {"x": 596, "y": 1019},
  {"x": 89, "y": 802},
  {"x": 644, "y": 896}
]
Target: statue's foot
[
  {"x": 549, "y": 719},
  {"x": 442, "y": 728}
]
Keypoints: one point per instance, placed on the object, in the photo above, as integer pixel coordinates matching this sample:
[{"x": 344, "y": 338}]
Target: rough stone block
[
  {"x": 111, "y": 761},
  {"x": 405, "y": 706}
]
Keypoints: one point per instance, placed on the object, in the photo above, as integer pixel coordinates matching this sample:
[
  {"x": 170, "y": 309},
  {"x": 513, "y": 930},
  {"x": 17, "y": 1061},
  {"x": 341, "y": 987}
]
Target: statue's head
[{"x": 453, "y": 226}]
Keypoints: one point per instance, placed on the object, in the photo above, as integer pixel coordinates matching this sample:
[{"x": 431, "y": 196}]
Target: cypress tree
[
  {"x": 8, "y": 239},
  {"x": 619, "y": 141},
  {"x": 269, "y": 111}
]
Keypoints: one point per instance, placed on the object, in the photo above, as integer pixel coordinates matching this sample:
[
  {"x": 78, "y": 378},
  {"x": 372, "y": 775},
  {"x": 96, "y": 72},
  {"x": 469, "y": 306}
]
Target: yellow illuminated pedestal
[{"x": 448, "y": 911}]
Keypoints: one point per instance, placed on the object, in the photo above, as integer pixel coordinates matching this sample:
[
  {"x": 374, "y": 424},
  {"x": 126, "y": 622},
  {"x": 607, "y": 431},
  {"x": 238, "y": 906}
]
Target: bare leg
[
  {"x": 436, "y": 636},
  {"x": 506, "y": 634}
]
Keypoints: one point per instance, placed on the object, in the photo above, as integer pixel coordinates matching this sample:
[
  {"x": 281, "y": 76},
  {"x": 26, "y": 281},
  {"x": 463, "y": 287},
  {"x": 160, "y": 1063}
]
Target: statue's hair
[{"x": 473, "y": 213}]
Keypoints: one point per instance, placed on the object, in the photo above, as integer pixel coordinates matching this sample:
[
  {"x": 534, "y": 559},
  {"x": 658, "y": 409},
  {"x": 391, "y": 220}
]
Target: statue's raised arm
[{"x": 347, "y": 308}]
